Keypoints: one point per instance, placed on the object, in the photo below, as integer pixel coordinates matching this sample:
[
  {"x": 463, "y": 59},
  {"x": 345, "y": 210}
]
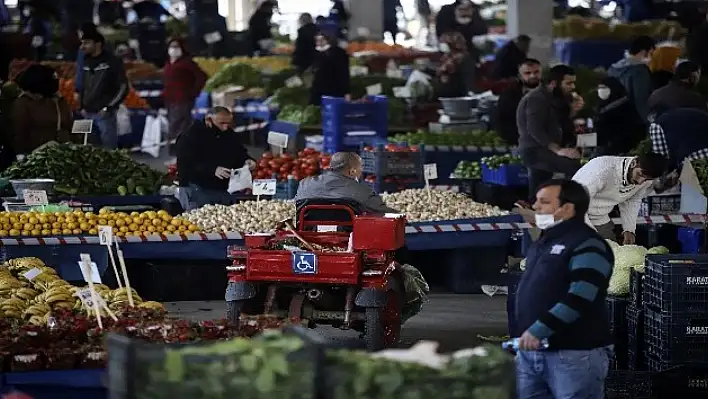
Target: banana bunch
[
  {"x": 13, "y": 308},
  {"x": 118, "y": 299},
  {"x": 24, "y": 263},
  {"x": 151, "y": 305}
]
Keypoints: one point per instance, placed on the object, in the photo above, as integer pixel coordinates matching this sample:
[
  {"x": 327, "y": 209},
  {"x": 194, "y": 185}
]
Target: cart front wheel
[
  {"x": 233, "y": 311},
  {"x": 383, "y": 325}
]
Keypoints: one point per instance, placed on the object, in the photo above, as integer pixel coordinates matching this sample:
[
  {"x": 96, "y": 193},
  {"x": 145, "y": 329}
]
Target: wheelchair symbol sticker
[{"x": 304, "y": 263}]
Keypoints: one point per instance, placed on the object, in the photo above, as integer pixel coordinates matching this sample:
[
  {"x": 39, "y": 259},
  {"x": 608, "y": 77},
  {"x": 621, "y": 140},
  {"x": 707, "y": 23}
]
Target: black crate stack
[
  {"x": 674, "y": 310},
  {"x": 617, "y": 311}
]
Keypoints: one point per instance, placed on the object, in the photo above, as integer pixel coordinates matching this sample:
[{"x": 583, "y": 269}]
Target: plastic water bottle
[{"x": 513, "y": 344}]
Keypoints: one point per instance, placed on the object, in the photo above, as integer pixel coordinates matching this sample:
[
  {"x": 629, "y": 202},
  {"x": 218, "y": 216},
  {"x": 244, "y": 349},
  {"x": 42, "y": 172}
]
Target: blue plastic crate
[
  {"x": 676, "y": 337},
  {"x": 506, "y": 175},
  {"x": 676, "y": 283},
  {"x": 448, "y": 157},
  {"x": 347, "y": 125},
  {"x": 691, "y": 239},
  {"x": 470, "y": 268},
  {"x": 388, "y": 163},
  {"x": 203, "y": 102}
]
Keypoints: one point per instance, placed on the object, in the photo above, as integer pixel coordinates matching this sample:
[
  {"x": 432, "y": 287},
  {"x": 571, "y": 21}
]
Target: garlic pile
[
  {"x": 244, "y": 217},
  {"x": 417, "y": 205}
]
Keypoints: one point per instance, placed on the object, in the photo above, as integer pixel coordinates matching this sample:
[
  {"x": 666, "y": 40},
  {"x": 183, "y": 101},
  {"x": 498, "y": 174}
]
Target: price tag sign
[
  {"x": 430, "y": 171},
  {"x": 264, "y": 187},
  {"x": 374, "y": 90},
  {"x": 326, "y": 229},
  {"x": 394, "y": 73},
  {"x": 279, "y": 140},
  {"x": 295, "y": 81},
  {"x": 93, "y": 275},
  {"x": 587, "y": 140},
  {"x": 82, "y": 126},
  {"x": 32, "y": 273},
  {"x": 402, "y": 92},
  {"x": 213, "y": 37},
  {"x": 84, "y": 295},
  {"x": 357, "y": 70},
  {"x": 35, "y": 197},
  {"x": 105, "y": 235}
]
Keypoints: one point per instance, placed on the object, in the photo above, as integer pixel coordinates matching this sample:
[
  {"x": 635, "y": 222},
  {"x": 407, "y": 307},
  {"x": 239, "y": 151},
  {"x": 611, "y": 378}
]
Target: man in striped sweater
[{"x": 561, "y": 298}]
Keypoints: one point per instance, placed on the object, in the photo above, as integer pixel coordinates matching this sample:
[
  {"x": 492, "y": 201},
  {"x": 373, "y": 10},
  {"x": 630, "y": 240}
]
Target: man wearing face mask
[
  {"x": 617, "y": 124},
  {"x": 341, "y": 181},
  {"x": 622, "y": 182},
  {"x": 634, "y": 73},
  {"x": 540, "y": 126},
  {"x": 461, "y": 16},
  {"x": 680, "y": 92},
  {"x": 529, "y": 77},
  {"x": 331, "y": 70},
  {"x": 206, "y": 156},
  {"x": 561, "y": 298}
]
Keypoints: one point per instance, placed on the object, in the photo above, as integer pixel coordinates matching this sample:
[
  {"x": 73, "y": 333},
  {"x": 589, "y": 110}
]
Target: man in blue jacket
[
  {"x": 634, "y": 73},
  {"x": 561, "y": 298}
]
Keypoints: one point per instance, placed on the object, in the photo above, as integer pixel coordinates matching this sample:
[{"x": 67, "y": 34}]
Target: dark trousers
[{"x": 542, "y": 164}]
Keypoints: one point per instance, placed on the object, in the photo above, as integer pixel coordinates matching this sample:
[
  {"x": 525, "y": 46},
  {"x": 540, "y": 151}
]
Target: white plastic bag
[
  {"x": 240, "y": 180},
  {"x": 151, "y": 137},
  {"x": 123, "y": 117}
]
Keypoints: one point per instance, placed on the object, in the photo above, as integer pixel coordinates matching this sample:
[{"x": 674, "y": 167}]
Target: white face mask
[
  {"x": 26, "y": 12},
  {"x": 464, "y": 20},
  {"x": 174, "y": 52},
  {"x": 322, "y": 49},
  {"x": 545, "y": 221},
  {"x": 647, "y": 60},
  {"x": 444, "y": 47},
  {"x": 604, "y": 93}
]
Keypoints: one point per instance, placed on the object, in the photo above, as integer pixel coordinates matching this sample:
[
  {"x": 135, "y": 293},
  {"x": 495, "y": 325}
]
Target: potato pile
[
  {"x": 34, "y": 301},
  {"x": 417, "y": 205},
  {"x": 244, "y": 217}
]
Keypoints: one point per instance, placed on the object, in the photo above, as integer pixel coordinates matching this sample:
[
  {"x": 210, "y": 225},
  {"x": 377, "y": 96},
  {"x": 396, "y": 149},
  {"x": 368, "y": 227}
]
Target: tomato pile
[
  {"x": 308, "y": 162},
  {"x": 394, "y": 148}
]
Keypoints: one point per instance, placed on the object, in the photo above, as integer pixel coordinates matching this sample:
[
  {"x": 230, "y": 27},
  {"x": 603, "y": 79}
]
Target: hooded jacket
[
  {"x": 636, "y": 79},
  {"x": 105, "y": 84}
]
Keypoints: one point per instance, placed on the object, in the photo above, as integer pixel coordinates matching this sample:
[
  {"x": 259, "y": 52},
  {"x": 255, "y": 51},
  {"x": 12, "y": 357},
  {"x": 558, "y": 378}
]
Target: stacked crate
[
  {"x": 387, "y": 170},
  {"x": 617, "y": 311},
  {"x": 675, "y": 319},
  {"x": 347, "y": 125}
]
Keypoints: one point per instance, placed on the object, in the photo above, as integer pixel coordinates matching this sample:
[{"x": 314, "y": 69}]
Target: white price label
[
  {"x": 213, "y": 37},
  {"x": 264, "y": 186},
  {"x": 32, "y": 273},
  {"x": 279, "y": 140},
  {"x": 374, "y": 90},
  {"x": 394, "y": 73},
  {"x": 86, "y": 298},
  {"x": 82, "y": 126},
  {"x": 295, "y": 81},
  {"x": 430, "y": 171},
  {"x": 357, "y": 70},
  {"x": 89, "y": 269},
  {"x": 35, "y": 197},
  {"x": 402, "y": 92},
  {"x": 327, "y": 229},
  {"x": 587, "y": 140},
  {"x": 105, "y": 235}
]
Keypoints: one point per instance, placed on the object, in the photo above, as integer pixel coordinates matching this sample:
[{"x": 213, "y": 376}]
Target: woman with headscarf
[
  {"x": 457, "y": 66},
  {"x": 617, "y": 124},
  {"x": 39, "y": 114},
  {"x": 184, "y": 81},
  {"x": 331, "y": 70},
  {"x": 260, "y": 28}
]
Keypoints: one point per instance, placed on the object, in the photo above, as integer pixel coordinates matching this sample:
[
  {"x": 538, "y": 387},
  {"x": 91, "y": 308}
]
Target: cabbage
[
  {"x": 627, "y": 256},
  {"x": 639, "y": 268},
  {"x": 619, "y": 281},
  {"x": 661, "y": 250},
  {"x": 612, "y": 245},
  {"x": 522, "y": 265}
]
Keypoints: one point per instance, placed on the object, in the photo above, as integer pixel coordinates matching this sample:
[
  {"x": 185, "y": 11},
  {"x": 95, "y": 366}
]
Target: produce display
[
  {"x": 135, "y": 70},
  {"x": 308, "y": 115},
  {"x": 87, "y": 170},
  {"x": 33, "y": 301},
  {"x": 628, "y": 257},
  {"x": 579, "y": 28},
  {"x": 468, "y": 170},
  {"x": 496, "y": 161},
  {"x": 297, "y": 96},
  {"x": 391, "y": 147},
  {"x": 472, "y": 139},
  {"x": 701, "y": 168},
  {"x": 244, "y": 217},
  {"x": 308, "y": 162},
  {"x": 212, "y": 66},
  {"x": 421, "y": 205},
  {"x": 235, "y": 74}
]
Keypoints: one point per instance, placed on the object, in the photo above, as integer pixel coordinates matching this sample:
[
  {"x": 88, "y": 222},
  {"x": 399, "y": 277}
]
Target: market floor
[{"x": 453, "y": 320}]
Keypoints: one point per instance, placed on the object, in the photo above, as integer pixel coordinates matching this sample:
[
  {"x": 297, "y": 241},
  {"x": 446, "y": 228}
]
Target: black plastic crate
[
  {"x": 674, "y": 337},
  {"x": 656, "y": 205},
  {"x": 384, "y": 163},
  {"x": 635, "y": 337},
  {"x": 636, "y": 280},
  {"x": 672, "y": 379},
  {"x": 616, "y": 310},
  {"x": 467, "y": 186},
  {"x": 676, "y": 283},
  {"x": 622, "y": 384}
]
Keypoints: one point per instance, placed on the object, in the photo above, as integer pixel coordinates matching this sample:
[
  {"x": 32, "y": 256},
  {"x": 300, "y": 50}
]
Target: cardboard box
[
  {"x": 226, "y": 96},
  {"x": 693, "y": 199}
]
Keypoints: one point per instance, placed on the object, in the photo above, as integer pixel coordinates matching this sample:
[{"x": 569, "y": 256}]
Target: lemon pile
[
  {"x": 34, "y": 301},
  {"x": 35, "y": 224}
]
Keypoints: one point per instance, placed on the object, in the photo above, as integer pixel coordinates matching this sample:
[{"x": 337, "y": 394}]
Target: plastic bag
[
  {"x": 152, "y": 135},
  {"x": 417, "y": 291},
  {"x": 123, "y": 117},
  {"x": 240, "y": 180}
]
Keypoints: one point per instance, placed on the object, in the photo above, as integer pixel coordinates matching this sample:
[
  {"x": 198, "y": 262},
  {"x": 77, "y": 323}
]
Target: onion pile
[
  {"x": 244, "y": 217},
  {"x": 420, "y": 206}
]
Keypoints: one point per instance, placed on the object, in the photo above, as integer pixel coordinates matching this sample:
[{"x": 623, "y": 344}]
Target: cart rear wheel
[
  {"x": 233, "y": 311},
  {"x": 383, "y": 325}
]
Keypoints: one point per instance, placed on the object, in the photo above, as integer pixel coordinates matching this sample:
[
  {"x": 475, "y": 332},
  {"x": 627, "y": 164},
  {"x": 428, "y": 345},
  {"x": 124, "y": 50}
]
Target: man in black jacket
[
  {"x": 305, "y": 52},
  {"x": 511, "y": 56},
  {"x": 505, "y": 121},
  {"x": 103, "y": 89},
  {"x": 681, "y": 91},
  {"x": 561, "y": 299},
  {"x": 206, "y": 156}
]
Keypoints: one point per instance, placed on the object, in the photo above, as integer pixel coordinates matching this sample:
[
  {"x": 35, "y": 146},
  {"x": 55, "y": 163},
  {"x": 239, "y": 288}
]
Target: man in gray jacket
[
  {"x": 541, "y": 130},
  {"x": 341, "y": 181},
  {"x": 634, "y": 73}
]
